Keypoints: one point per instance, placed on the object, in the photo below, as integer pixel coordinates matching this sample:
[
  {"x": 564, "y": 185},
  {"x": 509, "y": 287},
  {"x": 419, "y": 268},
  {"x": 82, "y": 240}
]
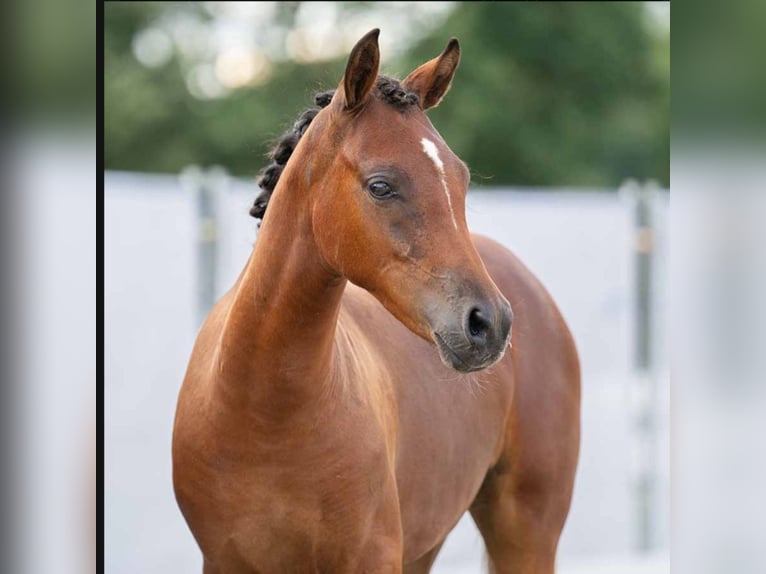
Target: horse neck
[{"x": 278, "y": 338}]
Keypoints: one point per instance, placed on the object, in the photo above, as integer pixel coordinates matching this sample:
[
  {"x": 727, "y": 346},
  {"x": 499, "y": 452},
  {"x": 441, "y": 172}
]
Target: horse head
[{"x": 385, "y": 197}]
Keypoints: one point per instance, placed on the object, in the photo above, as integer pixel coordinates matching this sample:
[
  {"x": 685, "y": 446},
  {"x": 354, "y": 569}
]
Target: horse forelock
[{"x": 387, "y": 89}]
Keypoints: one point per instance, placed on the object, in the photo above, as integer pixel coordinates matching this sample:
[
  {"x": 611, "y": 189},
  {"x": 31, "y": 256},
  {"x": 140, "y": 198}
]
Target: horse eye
[{"x": 380, "y": 189}]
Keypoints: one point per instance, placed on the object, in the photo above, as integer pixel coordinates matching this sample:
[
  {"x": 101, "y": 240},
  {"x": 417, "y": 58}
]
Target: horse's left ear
[
  {"x": 361, "y": 69},
  {"x": 432, "y": 80}
]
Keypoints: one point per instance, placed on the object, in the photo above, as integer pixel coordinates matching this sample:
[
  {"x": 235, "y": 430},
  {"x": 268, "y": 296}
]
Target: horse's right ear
[
  {"x": 433, "y": 79},
  {"x": 361, "y": 69}
]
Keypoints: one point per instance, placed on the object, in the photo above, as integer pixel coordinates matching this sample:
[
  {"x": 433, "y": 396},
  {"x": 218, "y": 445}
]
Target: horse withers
[{"x": 364, "y": 383}]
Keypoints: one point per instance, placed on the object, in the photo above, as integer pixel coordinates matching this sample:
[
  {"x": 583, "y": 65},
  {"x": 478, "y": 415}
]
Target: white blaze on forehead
[{"x": 432, "y": 152}]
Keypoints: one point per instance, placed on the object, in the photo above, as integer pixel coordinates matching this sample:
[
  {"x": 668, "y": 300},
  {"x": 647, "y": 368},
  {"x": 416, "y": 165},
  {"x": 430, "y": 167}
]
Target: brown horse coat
[{"x": 352, "y": 395}]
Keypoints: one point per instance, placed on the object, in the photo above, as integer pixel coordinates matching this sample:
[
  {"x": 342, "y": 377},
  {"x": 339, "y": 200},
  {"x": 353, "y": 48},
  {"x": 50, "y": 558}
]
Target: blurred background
[
  {"x": 562, "y": 111},
  {"x": 551, "y": 94},
  {"x": 48, "y": 501}
]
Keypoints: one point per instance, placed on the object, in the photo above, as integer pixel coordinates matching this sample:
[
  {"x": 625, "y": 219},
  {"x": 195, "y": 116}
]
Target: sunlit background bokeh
[{"x": 556, "y": 94}]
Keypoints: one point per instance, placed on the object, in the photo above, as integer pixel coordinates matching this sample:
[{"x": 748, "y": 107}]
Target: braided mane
[{"x": 387, "y": 89}]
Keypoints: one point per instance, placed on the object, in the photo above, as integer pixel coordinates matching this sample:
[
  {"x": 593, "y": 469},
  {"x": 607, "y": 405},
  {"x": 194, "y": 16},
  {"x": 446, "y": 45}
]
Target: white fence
[{"x": 582, "y": 245}]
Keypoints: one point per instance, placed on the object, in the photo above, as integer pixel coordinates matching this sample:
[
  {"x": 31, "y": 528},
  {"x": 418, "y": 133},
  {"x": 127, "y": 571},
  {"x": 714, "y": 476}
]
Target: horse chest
[{"x": 303, "y": 495}]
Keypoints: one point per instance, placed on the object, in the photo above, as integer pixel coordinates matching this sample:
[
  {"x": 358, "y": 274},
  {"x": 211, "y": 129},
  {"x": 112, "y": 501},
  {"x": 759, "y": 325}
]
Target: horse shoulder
[
  {"x": 535, "y": 311},
  {"x": 545, "y": 412}
]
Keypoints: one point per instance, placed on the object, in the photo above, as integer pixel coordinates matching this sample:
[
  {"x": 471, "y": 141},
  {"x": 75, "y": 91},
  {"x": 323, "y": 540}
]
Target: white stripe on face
[{"x": 433, "y": 153}]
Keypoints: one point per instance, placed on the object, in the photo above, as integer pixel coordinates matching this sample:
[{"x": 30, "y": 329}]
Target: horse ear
[
  {"x": 433, "y": 79},
  {"x": 361, "y": 69}
]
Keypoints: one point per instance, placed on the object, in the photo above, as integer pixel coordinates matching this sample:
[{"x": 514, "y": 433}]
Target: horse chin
[{"x": 453, "y": 360}]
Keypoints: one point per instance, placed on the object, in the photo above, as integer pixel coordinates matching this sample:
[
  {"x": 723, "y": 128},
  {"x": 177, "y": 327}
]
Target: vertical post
[
  {"x": 216, "y": 183},
  {"x": 646, "y": 391},
  {"x": 644, "y": 255},
  {"x": 204, "y": 190}
]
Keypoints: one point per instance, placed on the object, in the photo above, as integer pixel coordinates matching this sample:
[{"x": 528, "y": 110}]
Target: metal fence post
[
  {"x": 206, "y": 188},
  {"x": 645, "y": 384}
]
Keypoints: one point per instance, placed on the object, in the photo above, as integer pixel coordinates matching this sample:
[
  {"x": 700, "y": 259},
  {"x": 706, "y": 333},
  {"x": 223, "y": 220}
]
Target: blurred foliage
[
  {"x": 51, "y": 70},
  {"x": 718, "y": 90},
  {"x": 568, "y": 94}
]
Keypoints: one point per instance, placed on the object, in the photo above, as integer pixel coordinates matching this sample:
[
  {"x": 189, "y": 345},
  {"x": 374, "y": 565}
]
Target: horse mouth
[{"x": 453, "y": 360}]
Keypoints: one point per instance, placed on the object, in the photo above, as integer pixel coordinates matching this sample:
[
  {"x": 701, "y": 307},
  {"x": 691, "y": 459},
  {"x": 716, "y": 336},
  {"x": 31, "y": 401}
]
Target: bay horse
[{"x": 358, "y": 388}]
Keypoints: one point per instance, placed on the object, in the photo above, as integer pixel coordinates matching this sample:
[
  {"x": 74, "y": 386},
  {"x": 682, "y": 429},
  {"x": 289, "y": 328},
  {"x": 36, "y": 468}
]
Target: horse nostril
[{"x": 478, "y": 324}]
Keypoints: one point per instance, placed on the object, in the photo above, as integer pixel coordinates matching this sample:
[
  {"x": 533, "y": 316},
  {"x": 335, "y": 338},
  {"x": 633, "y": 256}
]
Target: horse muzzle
[{"x": 477, "y": 337}]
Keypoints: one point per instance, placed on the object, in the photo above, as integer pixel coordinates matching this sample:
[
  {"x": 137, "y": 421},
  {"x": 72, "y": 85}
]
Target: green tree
[
  {"x": 555, "y": 93},
  {"x": 567, "y": 94}
]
